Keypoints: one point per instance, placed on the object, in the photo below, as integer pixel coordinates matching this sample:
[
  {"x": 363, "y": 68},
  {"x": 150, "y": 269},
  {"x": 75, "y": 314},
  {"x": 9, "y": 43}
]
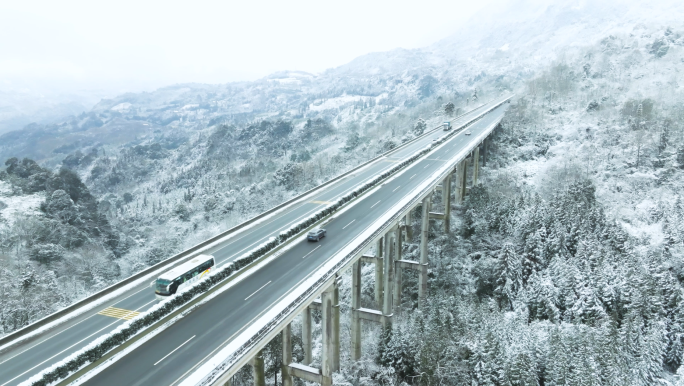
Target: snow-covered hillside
[
  {"x": 573, "y": 244},
  {"x": 13, "y": 207}
]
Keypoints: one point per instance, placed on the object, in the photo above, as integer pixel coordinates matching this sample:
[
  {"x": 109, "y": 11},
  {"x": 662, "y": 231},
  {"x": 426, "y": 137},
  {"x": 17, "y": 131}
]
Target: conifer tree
[
  {"x": 399, "y": 355},
  {"x": 509, "y": 275}
]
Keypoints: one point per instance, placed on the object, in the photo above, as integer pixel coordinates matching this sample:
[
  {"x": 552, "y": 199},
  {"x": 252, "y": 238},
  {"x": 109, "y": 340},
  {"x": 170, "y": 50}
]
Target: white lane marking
[
  {"x": 269, "y": 235},
  {"x": 426, "y": 166},
  {"x": 262, "y": 287},
  {"x": 166, "y": 356},
  {"x": 375, "y": 204},
  {"x": 38, "y": 344},
  {"x": 146, "y": 286},
  {"x": 250, "y": 322},
  {"x": 293, "y": 209},
  {"x": 257, "y": 317},
  {"x": 351, "y": 222},
  {"x": 146, "y": 304},
  {"x": 94, "y": 333},
  {"x": 312, "y": 251},
  {"x": 412, "y": 176},
  {"x": 248, "y": 233},
  {"x": 229, "y": 258},
  {"x": 395, "y": 189}
]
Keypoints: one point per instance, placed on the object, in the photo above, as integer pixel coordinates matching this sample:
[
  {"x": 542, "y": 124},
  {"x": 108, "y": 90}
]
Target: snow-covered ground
[
  {"x": 560, "y": 57},
  {"x": 14, "y": 207},
  {"x": 334, "y": 103}
]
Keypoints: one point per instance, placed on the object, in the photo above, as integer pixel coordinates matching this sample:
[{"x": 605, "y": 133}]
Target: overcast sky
[{"x": 140, "y": 45}]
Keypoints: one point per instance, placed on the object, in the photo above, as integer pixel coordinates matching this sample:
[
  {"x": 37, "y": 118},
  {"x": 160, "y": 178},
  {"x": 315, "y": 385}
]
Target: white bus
[{"x": 183, "y": 276}]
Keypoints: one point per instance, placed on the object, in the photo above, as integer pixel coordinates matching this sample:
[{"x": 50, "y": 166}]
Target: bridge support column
[
  {"x": 378, "y": 273},
  {"x": 397, "y": 272},
  {"x": 409, "y": 228},
  {"x": 446, "y": 197},
  {"x": 476, "y": 165},
  {"x": 258, "y": 369},
  {"x": 463, "y": 179},
  {"x": 330, "y": 330},
  {"x": 287, "y": 355},
  {"x": 424, "y": 230},
  {"x": 388, "y": 276},
  {"x": 336, "y": 326},
  {"x": 457, "y": 179},
  {"x": 398, "y": 234},
  {"x": 330, "y": 335},
  {"x": 485, "y": 150},
  {"x": 359, "y": 313},
  {"x": 355, "y": 305},
  {"x": 306, "y": 335}
]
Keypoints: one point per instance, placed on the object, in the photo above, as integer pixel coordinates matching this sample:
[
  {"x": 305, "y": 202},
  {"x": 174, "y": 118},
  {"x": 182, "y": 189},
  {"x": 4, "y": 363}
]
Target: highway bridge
[{"x": 213, "y": 340}]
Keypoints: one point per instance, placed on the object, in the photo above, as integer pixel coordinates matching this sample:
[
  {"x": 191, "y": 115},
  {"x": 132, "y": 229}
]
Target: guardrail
[
  {"x": 180, "y": 257},
  {"x": 318, "y": 285},
  {"x": 131, "y": 331}
]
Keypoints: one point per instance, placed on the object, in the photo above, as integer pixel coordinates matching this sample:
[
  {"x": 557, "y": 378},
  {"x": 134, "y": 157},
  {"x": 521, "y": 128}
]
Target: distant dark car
[
  {"x": 468, "y": 133},
  {"x": 316, "y": 234}
]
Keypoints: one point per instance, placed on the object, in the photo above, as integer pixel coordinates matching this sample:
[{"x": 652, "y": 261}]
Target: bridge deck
[
  {"x": 218, "y": 322},
  {"x": 23, "y": 361}
]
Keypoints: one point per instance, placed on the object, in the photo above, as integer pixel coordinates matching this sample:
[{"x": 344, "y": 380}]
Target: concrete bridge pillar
[
  {"x": 378, "y": 273},
  {"x": 330, "y": 335},
  {"x": 356, "y": 305},
  {"x": 287, "y": 355},
  {"x": 398, "y": 234},
  {"x": 409, "y": 228},
  {"x": 397, "y": 272},
  {"x": 373, "y": 315},
  {"x": 336, "y": 326},
  {"x": 388, "y": 276},
  {"x": 306, "y": 335},
  {"x": 258, "y": 369},
  {"x": 457, "y": 175},
  {"x": 485, "y": 150},
  {"x": 476, "y": 165},
  {"x": 330, "y": 330},
  {"x": 424, "y": 230},
  {"x": 462, "y": 179},
  {"x": 446, "y": 197}
]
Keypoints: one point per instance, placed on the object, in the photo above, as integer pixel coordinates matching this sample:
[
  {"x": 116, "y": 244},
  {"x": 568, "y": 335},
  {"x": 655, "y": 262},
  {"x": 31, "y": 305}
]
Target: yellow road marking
[
  {"x": 119, "y": 313},
  {"x": 320, "y": 202}
]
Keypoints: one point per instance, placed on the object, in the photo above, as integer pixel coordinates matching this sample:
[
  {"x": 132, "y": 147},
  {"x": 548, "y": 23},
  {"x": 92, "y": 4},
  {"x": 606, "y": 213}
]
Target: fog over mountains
[{"x": 506, "y": 40}]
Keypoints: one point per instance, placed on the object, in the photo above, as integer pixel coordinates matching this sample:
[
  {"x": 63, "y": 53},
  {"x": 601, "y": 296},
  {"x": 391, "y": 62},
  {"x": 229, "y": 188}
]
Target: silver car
[{"x": 316, "y": 234}]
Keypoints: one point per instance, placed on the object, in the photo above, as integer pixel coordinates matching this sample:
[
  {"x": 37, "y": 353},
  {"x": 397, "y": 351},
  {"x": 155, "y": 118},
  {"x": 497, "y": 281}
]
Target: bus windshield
[{"x": 162, "y": 285}]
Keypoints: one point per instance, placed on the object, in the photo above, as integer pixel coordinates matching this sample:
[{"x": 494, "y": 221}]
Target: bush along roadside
[{"x": 98, "y": 348}]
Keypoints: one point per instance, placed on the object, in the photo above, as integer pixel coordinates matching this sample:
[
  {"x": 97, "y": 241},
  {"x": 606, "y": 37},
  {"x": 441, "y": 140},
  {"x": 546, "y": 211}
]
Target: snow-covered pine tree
[{"x": 509, "y": 276}]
